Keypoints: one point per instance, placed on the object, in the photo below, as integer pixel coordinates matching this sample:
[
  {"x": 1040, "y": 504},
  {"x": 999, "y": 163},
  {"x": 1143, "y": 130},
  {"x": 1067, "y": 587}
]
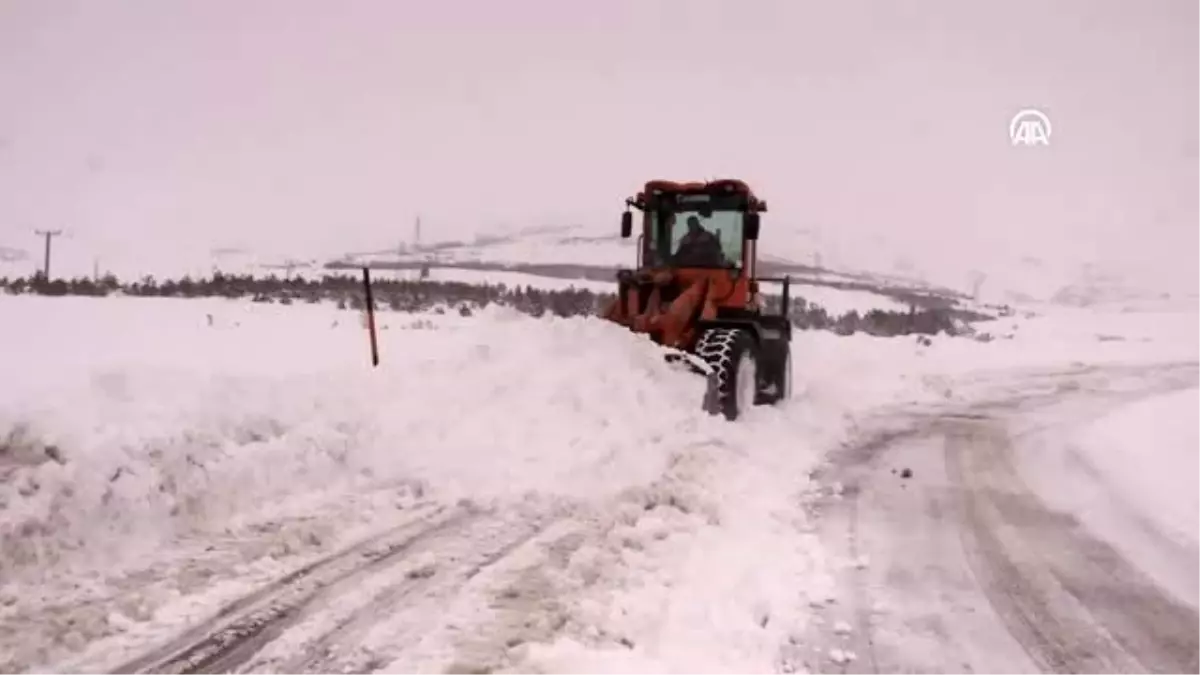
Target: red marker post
[{"x": 371, "y": 316}]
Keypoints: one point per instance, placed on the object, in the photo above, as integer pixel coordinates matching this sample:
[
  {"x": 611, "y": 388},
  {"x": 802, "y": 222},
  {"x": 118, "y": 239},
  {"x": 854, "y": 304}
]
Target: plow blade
[
  {"x": 689, "y": 361},
  {"x": 697, "y": 365}
]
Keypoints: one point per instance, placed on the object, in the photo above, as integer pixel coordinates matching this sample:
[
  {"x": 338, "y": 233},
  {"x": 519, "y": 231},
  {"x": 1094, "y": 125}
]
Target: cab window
[{"x": 669, "y": 230}]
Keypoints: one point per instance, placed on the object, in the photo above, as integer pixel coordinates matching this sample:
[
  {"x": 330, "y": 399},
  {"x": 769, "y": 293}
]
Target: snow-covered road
[
  {"x": 972, "y": 550},
  {"x": 213, "y": 486}
]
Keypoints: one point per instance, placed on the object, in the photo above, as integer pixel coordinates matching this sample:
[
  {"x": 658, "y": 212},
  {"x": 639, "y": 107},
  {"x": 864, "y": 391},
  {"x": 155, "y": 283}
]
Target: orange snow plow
[{"x": 695, "y": 291}]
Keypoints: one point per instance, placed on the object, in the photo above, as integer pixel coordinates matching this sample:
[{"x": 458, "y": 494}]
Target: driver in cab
[{"x": 698, "y": 247}]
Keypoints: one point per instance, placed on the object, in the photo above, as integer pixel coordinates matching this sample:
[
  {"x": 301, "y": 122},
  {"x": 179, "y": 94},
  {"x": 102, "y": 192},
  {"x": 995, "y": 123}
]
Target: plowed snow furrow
[{"x": 241, "y": 628}]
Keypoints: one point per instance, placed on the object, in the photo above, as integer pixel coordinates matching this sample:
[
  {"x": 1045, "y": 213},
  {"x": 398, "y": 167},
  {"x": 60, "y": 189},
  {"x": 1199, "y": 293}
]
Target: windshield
[{"x": 688, "y": 239}]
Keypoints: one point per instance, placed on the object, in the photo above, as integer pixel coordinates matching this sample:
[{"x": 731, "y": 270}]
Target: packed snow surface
[
  {"x": 1129, "y": 472},
  {"x": 141, "y": 439}
]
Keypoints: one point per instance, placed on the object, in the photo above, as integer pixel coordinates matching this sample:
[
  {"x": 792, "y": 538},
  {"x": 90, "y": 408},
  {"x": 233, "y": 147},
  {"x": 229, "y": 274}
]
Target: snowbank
[
  {"x": 163, "y": 423},
  {"x": 1149, "y": 452},
  {"x": 136, "y": 424}
]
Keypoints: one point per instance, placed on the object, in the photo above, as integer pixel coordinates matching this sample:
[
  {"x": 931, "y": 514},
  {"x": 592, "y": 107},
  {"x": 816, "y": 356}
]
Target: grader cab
[{"x": 695, "y": 290}]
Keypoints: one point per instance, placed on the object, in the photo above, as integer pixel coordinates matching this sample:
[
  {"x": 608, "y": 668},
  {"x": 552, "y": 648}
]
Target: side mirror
[
  {"x": 750, "y": 226},
  {"x": 626, "y": 224}
]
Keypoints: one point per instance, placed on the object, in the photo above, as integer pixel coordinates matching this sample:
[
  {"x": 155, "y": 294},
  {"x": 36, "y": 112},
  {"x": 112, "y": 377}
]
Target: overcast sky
[{"x": 329, "y": 124}]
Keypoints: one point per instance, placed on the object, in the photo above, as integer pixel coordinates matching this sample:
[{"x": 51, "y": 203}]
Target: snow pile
[
  {"x": 708, "y": 569},
  {"x": 162, "y": 424},
  {"x": 724, "y": 598},
  {"x": 136, "y": 424},
  {"x": 707, "y": 566}
]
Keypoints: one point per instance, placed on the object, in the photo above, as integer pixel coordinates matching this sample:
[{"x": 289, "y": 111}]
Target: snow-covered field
[
  {"x": 159, "y": 458},
  {"x": 838, "y": 301}
]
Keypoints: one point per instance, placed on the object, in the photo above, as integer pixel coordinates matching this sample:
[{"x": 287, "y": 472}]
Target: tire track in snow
[
  {"x": 412, "y": 601},
  {"x": 1073, "y": 601},
  {"x": 972, "y": 529},
  {"x": 1051, "y": 626},
  {"x": 243, "y": 627},
  {"x": 839, "y": 636}
]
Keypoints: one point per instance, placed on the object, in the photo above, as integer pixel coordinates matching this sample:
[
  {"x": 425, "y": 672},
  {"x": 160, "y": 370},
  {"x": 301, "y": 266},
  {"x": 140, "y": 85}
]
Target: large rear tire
[{"x": 733, "y": 383}]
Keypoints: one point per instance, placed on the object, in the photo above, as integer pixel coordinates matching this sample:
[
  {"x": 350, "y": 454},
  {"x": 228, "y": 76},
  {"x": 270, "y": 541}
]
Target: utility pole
[
  {"x": 417, "y": 234},
  {"x": 48, "y": 234}
]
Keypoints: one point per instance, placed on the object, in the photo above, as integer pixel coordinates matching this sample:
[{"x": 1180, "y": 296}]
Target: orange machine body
[{"x": 667, "y": 302}]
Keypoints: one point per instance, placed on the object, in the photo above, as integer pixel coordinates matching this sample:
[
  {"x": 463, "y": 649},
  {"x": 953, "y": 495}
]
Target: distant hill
[
  {"x": 573, "y": 253},
  {"x": 890, "y": 265}
]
